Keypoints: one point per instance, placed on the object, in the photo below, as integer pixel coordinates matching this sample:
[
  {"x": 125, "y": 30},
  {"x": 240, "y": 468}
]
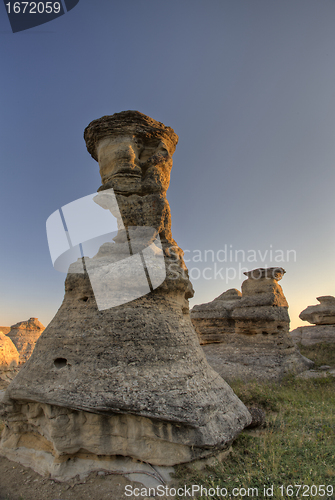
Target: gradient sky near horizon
[{"x": 249, "y": 87}]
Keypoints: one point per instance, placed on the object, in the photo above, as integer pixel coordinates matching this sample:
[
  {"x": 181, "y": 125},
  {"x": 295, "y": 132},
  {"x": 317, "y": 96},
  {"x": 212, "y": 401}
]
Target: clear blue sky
[{"x": 249, "y": 87}]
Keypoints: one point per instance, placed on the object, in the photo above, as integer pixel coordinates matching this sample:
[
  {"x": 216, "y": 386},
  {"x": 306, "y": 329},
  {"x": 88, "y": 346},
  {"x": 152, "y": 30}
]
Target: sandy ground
[{"x": 21, "y": 483}]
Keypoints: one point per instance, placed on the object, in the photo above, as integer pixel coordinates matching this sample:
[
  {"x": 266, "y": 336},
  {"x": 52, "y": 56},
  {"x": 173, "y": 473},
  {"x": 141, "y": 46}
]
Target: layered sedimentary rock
[
  {"x": 263, "y": 308},
  {"x": 24, "y": 336},
  {"x": 323, "y": 317},
  {"x": 261, "y": 347},
  {"x": 129, "y": 380},
  {"x": 9, "y": 357},
  {"x": 213, "y": 321},
  {"x": 321, "y": 314},
  {"x": 316, "y": 334}
]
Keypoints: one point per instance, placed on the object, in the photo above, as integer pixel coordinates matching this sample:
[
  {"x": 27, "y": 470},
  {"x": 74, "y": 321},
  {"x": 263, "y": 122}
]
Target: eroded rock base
[
  {"x": 64, "y": 443},
  {"x": 82, "y": 464}
]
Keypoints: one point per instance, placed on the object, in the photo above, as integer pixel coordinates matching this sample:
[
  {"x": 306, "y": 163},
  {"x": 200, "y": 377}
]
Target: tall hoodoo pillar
[{"x": 129, "y": 380}]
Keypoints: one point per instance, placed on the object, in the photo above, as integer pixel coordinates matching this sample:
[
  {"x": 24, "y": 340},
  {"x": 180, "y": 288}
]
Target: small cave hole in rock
[
  {"x": 84, "y": 299},
  {"x": 265, "y": 333},
  {"x": 60, "y": 362}
]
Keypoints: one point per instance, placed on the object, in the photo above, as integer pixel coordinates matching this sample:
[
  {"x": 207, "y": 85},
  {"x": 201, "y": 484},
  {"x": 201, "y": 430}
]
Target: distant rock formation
[
  {"x": 129, "y": 380},
  {"x": 260, "y": 347},
  {"x": 263, "y": 307},
  {"x": 9, "y": 357},
  {"x": 213, "y": 321},
  {"x": 24, "y": 336},
  {"x": 321, "y": 314},
  {"x": 323, "y": 317}
]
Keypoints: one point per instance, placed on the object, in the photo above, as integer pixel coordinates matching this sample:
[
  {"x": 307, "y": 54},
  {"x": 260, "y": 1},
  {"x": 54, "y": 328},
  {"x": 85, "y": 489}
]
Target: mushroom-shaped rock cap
[
  {"x": 320, "y": 314},
  {"x": 137, "y": 124},
  {"x": 275, "y": 273},
  {"x": 326, "y": 299}
]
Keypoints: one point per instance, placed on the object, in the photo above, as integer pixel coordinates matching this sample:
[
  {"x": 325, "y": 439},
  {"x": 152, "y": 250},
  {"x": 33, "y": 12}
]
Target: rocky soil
[{"x": 21, "y": 483}]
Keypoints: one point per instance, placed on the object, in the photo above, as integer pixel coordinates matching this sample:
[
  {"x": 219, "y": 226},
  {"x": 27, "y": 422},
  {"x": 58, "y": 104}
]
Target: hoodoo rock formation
[
  {"x": 260, "y": 347},
  {"x": 322, "y": 317},
  {"x": 213, "y": 321},
  {"x": 263, "y": 308},
  {"x": 9, "y": 357},
  {"x": 129, "y": 380},
  {"x": 24, "y": 336},
  {"x": 321, "y": 314}
]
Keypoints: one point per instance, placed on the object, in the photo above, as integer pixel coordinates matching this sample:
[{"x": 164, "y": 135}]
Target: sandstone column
[{"x": 129, "y": 380}]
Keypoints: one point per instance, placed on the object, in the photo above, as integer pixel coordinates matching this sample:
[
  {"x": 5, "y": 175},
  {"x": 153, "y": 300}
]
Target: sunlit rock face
[
  {"x": 9, "y": 357},
  {"x": 130, "y": 380},
  {"x": 322, "y": 317},
  {"x": 24, "y": 336},
  {"x": 260, "y": 346}
]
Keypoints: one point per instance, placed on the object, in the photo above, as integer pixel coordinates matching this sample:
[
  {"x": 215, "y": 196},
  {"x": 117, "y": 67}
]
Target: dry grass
[
  {"x": 321, "y": 354},
  {"x": 297, "y": 445}
]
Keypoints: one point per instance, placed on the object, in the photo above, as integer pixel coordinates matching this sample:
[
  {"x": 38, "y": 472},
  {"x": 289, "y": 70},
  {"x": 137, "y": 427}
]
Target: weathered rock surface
[
  {"x": 130, "y": 380},
  {"x": 9, "y": 358},
  {"x": 24, "y": 336},
  {"x": 256, "y": 357},
  {"x": 310, "y": 335},
  {"x": 4, "y": 329},
  {"x": 213, "y": 321},
  {"x": 321, "y": 314},
  {"x": 260, "y": 348},
  {"x": 323, "y": 317}
]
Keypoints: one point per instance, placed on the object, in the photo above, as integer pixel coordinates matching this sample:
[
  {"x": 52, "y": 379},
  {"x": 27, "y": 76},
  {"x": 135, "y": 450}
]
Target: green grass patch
[
  {"x": 297, "y": 445},
  {"x": 321, "y": 354}
]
